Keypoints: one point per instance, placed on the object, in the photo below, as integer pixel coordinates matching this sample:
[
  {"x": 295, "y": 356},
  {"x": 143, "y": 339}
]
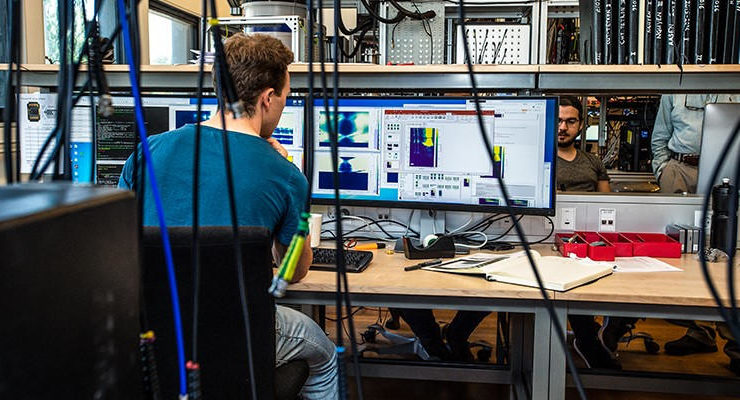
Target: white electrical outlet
[
  {"x": 607, "y": 219},
  {"x": 567, "y": 219}
]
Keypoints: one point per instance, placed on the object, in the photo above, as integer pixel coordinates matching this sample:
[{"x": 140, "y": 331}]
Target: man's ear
[{"x": 266, "y": 97}]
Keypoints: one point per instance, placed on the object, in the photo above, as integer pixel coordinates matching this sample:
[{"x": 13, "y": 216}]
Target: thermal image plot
[
  {"x": 353, "y": 173},
  {"x": 423, "y": 147},
  {"x": 353, "y": 129},
  {"x": 284, "y": 130},
  {"x": 498, "y": 161}
]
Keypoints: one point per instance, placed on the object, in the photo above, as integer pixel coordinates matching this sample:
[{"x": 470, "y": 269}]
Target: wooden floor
[{"x": 633, "y": 357}]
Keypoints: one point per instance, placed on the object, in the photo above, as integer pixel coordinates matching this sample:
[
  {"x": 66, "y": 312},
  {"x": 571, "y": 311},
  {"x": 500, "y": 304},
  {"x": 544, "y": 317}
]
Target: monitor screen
[
  {"x": 115, "y": 134},
  {"x": 428, "y": 153},
  {"x": 719, "y": 120}
]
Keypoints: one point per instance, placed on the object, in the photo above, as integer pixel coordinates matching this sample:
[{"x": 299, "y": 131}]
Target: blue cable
[{"x": 157, "y": 199}]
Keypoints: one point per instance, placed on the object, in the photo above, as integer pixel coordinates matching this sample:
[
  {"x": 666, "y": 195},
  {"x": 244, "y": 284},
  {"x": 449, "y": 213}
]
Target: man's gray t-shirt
[{"x": 582, "y": 174}]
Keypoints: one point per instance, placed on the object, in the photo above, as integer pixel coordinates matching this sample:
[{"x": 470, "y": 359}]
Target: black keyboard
[{"x": 355, "y": 260}]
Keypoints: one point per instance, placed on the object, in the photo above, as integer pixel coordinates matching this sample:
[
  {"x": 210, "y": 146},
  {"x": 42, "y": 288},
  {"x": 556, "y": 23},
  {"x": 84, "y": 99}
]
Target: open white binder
[{"x": 557, "y": 273}]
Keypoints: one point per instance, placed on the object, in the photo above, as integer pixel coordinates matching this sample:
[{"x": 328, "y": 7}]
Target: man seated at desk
[
  {"x": 259, "y": 66},
  {"x": 584, "y": 172}
]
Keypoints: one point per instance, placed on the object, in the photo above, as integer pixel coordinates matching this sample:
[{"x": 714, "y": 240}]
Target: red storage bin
[
  {"x": 622, "y": 245},
  {"x": 579, "y": 247},
  {"x": 654, "y": 245},
  {"x": 598, "y": 253}
]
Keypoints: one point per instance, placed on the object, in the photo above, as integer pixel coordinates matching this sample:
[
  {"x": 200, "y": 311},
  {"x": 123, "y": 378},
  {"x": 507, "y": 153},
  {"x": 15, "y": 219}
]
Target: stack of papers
[
  {"x": 210, "y": 56},
  {"x": 642, "y": 264}
]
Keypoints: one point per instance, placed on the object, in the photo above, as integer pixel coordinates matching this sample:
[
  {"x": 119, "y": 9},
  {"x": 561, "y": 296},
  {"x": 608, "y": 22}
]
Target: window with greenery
[
  {"x": 51, "y": 28},
  {"x": 107, "y": 16}
]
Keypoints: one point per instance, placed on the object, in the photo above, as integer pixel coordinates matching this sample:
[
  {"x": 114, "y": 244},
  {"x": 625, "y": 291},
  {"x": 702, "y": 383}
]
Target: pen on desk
[
  {"x": 369, "y": 246},
  {"x": 424, "y": 264}
]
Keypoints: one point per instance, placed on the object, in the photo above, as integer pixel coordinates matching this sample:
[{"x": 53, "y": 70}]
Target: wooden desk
[
  {"x": 685, "y": 288},
  {"x": 674, "y": 295},
  {"x": 385, "y": 276},
  {"x": 671, "y": 295},
  {"x": 385, "y": 283}
]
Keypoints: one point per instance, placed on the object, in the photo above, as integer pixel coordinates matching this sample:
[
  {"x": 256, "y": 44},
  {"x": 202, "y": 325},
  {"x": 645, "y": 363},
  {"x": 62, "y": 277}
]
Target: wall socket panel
[
  {"x": 567, "y": 219},
  {"x": 607, "y": 220}
]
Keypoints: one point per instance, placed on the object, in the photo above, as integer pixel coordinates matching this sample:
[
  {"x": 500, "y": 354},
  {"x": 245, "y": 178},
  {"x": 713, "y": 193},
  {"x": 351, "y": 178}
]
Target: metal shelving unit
[{"x": 615, "y": 79}]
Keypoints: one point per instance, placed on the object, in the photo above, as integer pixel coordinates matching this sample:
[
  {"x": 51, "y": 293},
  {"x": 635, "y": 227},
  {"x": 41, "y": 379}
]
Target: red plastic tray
[
  {"x": 579, "y": 247},
  {"x": 622, "y": 245},
  {"x": 598, "y": 253},
  {"x": 654, "y": 245}
]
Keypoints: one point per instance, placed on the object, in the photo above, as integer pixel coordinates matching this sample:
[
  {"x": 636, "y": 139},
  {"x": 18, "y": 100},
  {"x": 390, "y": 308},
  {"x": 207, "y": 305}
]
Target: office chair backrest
[{"x": 222, "y": 348}]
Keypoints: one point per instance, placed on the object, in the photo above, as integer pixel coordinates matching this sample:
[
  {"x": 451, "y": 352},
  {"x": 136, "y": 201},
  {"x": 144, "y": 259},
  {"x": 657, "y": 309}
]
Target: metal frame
[
  {"x": 294, "y": 22},
  {"x": 527, "y": 372},
  {"x": 553, "y": 9},
  {"x": 537, "y": 367},
  {"x": 489, "y": 9},
  {"x": 640, "y": 381},
  {"x": 397, "y": 80}
]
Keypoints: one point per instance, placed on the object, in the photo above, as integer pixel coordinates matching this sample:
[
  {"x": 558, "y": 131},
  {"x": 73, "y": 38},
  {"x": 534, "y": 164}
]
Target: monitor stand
[{"x": 430, "y": 222}]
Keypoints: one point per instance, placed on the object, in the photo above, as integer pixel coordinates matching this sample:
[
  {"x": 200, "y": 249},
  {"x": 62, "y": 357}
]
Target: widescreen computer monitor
[
  {"x": 115, "y": 134},
  {"x": 428, "y": 153}
]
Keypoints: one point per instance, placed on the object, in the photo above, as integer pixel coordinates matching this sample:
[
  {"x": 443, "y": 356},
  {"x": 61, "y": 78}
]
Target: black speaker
[{"x": 69, "y": 293}]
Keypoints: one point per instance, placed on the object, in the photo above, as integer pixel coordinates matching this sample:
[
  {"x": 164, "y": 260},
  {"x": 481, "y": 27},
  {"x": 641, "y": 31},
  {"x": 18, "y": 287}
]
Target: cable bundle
[
  {"x": 12, "y": 92},
  {"x": 510, "y": 210},
  {"x": 729, "y": 314}
]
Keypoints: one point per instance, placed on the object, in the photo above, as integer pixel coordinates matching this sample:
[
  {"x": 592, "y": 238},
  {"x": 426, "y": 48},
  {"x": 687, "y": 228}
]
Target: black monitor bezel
[{"x": 308, "y": 158}]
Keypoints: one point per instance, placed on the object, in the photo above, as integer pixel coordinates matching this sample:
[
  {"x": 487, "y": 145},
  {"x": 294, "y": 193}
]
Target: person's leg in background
[
  {"x": 612, "y": 330},
  {"x": 425, "y": 327},
  {"x": 678, "y": 177},
  {"x": 697, "y": 339},
  {"x": 732, "y": 349},
  {"x": 298, "y": 337},
  {"x": 587, "y": 344},
  {"x": 459, "y": 330}
]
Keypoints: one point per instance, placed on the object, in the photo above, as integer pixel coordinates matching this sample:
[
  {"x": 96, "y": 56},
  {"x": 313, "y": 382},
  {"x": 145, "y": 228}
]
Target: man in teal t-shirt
[{"x": 269, "y": 190}]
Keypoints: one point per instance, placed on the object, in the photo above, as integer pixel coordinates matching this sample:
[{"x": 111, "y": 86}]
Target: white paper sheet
[{"x": 642, "y": 264}]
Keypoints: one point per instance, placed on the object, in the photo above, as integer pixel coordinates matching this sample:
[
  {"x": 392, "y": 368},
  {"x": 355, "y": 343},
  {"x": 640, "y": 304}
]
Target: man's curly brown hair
[{"x": 256, "y": 62}]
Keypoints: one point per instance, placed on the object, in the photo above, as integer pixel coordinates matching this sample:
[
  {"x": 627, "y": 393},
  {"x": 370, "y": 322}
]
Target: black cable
[
  {"x": 18, "y": 84},
  {"x": 731, "y": 245},
  {"x": 93, "y": 131},
  {"x": 342, "y": 393},
  {"x": 66, "y": 173},
  {"x": 366, "y": 28},
  {"x": 341, "y": 266},
  {"x": 8, "y": 111},
  {"x": 224, "y": 82},
  {"x": 62, "y": 88},
  {"x": 358, "y": 28},
  {"x": 308, "y": 162},
  {"x": 374, "y": 222},
  {"x": 489, "y": 149},
  {"x": 724, "y": 312},
  {"x": 428, "y": 30},
  {"x": 358, "y": 309},
  {"x": 411, "y": 14},
  {"x": 196, "y": 185},
  {"x": 398, "y": 18}
]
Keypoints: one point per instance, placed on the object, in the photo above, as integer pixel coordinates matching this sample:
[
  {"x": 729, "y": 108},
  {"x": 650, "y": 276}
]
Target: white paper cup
[{"x": 314, "y": 229}]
